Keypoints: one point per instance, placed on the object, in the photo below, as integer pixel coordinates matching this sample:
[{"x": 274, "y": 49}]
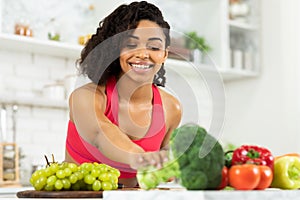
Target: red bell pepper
[{"x": 253, "y": 155}]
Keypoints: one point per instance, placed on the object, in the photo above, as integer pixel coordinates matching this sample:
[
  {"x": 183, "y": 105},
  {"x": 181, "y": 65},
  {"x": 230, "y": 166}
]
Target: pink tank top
[{"x": 81, "y": 151}]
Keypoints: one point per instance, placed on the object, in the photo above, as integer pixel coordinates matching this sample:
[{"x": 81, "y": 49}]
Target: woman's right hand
[{"x": 155, "y": 159}]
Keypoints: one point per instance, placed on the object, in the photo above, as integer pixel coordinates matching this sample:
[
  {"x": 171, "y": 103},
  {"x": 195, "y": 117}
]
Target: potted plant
[{"x": 198, "y": 45}]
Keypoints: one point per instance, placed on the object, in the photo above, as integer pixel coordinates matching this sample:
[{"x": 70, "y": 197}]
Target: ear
[{"x": 166, "y": 53}]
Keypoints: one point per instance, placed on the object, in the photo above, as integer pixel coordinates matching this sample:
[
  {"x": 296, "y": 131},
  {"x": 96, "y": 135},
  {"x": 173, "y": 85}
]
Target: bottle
[{"x": 197, "y": 54}]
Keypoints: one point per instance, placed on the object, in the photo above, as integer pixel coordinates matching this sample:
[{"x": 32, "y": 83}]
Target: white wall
[{"x": 264, "y": 110}]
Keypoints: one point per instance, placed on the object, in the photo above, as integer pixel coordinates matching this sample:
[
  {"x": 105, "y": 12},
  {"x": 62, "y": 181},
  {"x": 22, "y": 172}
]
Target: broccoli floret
[{"x": 196, "y": 159}]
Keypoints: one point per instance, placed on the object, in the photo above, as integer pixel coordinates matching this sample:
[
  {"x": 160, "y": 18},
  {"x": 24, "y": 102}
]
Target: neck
[{"x": 134, "y": 92}]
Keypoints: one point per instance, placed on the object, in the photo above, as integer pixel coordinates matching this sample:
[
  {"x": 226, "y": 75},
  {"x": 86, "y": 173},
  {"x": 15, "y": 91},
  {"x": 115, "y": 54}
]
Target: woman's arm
[{"x": 87, "y": 106}]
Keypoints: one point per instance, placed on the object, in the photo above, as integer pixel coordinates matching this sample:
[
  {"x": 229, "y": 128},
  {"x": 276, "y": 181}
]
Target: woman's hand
[{"x": 149, "y": 158}]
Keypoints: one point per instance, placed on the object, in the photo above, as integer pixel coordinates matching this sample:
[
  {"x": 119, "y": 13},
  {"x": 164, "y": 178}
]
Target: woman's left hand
[{"x": 155, "y": 159}]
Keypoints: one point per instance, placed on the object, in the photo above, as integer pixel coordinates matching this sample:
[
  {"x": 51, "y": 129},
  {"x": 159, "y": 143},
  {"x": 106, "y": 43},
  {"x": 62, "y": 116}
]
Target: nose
[{"x": 142, "y": 53}]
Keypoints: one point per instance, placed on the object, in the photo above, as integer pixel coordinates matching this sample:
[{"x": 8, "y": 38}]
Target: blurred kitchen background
[{"x": 243, "y": 85}]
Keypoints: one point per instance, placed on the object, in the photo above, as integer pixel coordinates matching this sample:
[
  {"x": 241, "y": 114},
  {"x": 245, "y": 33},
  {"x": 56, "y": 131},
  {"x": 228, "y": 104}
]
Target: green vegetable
[
  {"x": 286, "y": 173},
  {"x": 196, "y": 159},
  {"x": 228, "y": 158}
]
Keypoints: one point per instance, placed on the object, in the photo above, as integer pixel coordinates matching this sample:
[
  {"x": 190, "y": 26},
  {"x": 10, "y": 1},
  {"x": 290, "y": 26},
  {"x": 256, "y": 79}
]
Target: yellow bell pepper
[{"x": 286, "y": 173}]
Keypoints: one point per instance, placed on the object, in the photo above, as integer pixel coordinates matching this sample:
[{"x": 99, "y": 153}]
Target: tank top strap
[
  {"x": 112, "y": 98},
  {"x": 156, "y": 95}
]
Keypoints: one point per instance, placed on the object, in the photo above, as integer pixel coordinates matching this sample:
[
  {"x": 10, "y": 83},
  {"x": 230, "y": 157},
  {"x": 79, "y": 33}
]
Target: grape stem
[
  {"x": 48, "y": 164},
  {"x": 53, "y": 160}
]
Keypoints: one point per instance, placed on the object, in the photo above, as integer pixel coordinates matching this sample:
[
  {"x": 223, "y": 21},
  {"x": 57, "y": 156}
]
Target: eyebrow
[{"x": 150, "y": 39}]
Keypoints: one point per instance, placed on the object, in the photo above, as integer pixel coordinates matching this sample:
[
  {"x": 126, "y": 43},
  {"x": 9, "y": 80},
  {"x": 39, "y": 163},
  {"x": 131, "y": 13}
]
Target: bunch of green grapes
[{"x": 69, "y": 176}]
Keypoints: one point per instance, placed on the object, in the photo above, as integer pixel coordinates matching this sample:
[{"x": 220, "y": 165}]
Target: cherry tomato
[
  {"x": 244, "y": 177},
  {"x": 266, "y": 177},
  {"x": 224, "y": 181}
]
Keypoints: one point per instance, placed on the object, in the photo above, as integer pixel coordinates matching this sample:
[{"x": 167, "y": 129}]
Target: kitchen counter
[
  {"x": 10, "y": 192},
  {"x": 203, "y": 195},
  {"x": 179, "y": 193}
]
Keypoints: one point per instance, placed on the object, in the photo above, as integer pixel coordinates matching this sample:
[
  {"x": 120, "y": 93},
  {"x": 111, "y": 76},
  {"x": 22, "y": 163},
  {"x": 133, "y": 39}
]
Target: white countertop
[
  {"x": 179, "y": 193},
  {"x": 203, "y": 195},
  {"x": 10, "y": 192}
]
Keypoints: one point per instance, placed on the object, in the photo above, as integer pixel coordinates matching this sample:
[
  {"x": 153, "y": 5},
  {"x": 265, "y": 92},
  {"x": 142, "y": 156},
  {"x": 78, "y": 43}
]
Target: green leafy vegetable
[{"x": 196, "y": 159}]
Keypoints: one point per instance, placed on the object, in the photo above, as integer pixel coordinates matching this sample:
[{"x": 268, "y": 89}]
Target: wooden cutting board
[{"x": 63, "y": 194}]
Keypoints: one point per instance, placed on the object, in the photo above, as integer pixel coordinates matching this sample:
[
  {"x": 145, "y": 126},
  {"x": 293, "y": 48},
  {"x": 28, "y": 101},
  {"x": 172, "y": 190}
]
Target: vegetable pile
[
  {"x": 196, "y": 159},
  {"x": 248, "y": 167},
  {"x": 251, "y": 167}
]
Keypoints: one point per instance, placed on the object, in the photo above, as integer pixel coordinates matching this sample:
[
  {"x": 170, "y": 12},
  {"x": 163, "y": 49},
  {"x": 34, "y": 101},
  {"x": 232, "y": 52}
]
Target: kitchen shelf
[
  {"x": 41, "y": 102},
  {"x": 33, "y": 45},
  {"x": 61, "y": 49},
  {"x": 227, "y": 74}
]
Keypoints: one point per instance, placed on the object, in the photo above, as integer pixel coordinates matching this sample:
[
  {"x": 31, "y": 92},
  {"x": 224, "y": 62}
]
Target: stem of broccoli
[{"x": 151, "y": 177}]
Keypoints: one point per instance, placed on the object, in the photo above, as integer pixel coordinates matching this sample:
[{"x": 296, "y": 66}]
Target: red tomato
[
  {"x": 244, "y": 177},
  {"x": 224, "y": 181},
  {"x": 266, "y": 177}
]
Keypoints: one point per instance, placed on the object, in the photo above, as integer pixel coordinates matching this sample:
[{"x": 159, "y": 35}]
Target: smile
[{"x": 141, "y": 66}]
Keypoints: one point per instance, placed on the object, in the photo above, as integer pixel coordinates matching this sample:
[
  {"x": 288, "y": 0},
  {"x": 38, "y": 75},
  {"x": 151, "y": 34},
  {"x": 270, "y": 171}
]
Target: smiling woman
[
  {"x": 123, "y": 118},
  {"x": 144, "y": 51}
]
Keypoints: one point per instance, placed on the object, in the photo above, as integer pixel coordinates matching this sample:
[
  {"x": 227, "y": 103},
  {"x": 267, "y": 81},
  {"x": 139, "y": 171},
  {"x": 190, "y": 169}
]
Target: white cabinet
[{"x": 235, "y": 42}]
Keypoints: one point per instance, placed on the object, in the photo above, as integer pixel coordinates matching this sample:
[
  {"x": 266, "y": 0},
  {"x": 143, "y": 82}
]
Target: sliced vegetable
[
  {"x": 287, "y": 173},
  {"x": 253, "y": 155}
]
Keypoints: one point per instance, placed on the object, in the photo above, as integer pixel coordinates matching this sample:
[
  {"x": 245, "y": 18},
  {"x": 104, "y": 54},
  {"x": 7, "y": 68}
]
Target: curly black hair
[{"x": 100, "y": 56}]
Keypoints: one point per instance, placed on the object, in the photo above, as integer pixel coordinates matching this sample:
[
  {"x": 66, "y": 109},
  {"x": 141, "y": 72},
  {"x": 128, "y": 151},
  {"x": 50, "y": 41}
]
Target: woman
[{"x": 122, "y": 118}]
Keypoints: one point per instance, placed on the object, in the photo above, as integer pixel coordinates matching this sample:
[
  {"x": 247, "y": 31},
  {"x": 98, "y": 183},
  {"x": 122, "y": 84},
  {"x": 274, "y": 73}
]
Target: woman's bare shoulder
[
  {"x": 88, "y": 90},
  {"x": 87, "y": 94},
  {"x": 169, "y": 99},
  {"x": 171, "y": 103}
]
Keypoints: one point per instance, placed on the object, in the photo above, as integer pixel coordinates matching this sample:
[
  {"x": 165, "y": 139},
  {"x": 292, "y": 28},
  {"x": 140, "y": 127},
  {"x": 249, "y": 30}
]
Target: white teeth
[{"x": 141, "y": 66}]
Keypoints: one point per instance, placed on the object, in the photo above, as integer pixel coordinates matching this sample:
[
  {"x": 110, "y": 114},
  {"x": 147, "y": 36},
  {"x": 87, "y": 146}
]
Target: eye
[
  {"x": 153, "y": 48},
  {"x": 131, "y": 46}
]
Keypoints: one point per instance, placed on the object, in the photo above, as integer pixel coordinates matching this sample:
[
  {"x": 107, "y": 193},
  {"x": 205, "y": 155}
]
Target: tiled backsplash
[{"x": 39, "y": 130}]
